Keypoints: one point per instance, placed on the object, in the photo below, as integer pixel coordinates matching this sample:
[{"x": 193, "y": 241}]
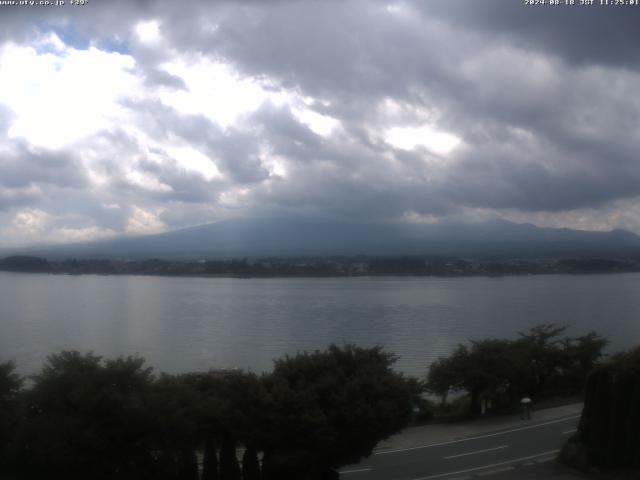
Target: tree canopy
[
  {"x": 328, "y": 409},
  {"x": 499, "y": 371},
  {"x": 88, "y": 417},
  {"x": 609, "y": 429}
]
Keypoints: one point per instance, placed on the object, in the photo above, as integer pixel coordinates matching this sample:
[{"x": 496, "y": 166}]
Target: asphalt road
[{"x": 493, "y": 452}]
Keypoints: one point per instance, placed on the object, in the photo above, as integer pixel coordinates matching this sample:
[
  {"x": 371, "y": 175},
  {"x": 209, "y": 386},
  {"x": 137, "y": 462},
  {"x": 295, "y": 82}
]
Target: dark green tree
[
  {"x": 328, "y": 409},
  {"x": 229, "y": 467},
  {"x": 188, "y": 464},
  {"x": 10, "y": 387},
  {"x": 175, "y": 405},
  {"x": 231, "y": 406},
  {"x": 609, "y": 429},
  {"x": 210, "y": 460},
  {"x": 541, "y": 346},
  {"x": 501, "y": 372},
  {"x": 88, "y": 418},
  {"x": 24, "y": 263},
  {"x": 486, "y": 370},
  {"x": 250, "y": 464},
  {"x": 446, "y": 373},
  {"x": 10, "y": 383},
  {"x": 580, "y": 356}
]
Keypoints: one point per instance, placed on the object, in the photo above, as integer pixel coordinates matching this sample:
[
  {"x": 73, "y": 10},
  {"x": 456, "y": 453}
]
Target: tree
[
  {"x": 328, "y": 409},
  {"x": 502, "y": 371},
  {"x": 231, "y": 406},
  {"x": 10, "y": 383},
  {"x": 10, "y": 387},
  {"x": 486, "y": 371},
  {"x": 176, "y": 408},
  {"x": 229, "y": 467},
  {"x": 210, "y": 460},
  {"x": 88, "y": 419},
  {"x": 580, "y": 356},
  {"x": 609, "y": 429},
  {"x": 542, "y": 349},
  {"x": 492, "y": 372},
  {"x": 24, "y": 263},
  {"x": 250, "y": 464},
  {"x": 445, "y": 374}
]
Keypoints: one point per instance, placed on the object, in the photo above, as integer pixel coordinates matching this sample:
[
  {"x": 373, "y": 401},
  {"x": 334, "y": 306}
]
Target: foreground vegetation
[
  {"x": 85, "y": 417},
  {"x": 495, "y": 374},
  {"x": 609, "y": 431}
]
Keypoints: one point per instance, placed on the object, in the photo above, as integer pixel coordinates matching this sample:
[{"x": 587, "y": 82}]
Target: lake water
[{"x": 182, "y": 324}]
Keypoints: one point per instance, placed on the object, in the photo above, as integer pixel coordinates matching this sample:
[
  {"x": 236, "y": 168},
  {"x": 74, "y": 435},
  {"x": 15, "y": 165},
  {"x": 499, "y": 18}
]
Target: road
[{"x": 475, "y": 456}]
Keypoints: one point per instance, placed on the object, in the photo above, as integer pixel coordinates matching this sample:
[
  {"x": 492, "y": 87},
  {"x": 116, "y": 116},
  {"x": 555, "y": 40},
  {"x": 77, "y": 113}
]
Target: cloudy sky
[{"x": 122, "y": 117}]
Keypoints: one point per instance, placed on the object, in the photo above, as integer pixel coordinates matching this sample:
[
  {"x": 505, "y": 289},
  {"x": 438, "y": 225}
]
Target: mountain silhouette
[{"x": 252, "y": 237}]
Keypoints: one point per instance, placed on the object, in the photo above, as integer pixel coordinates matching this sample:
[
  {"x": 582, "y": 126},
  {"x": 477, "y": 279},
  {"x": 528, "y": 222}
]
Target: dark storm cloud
[
  {"x": 501, "y": 183},
  {"x": 185, "y": 186},
  {"x": 25, "y": 166},
  {"x": 542, "y": 98},
  {"x": 240, "y": 158},
  {"x": 11, "y": 198},
  {"x": 286, "y": 135},
  {"x": 342, "y": 177},
  {"x": 356, "y": 56},
  {"x": 351, "y": 51},
  {"x": 596, "y": 34}
]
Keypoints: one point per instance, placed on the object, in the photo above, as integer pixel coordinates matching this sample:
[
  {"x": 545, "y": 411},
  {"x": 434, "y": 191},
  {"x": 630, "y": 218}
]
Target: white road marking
[
  {"x": 528, "y": 427},
  {"x": 570, "y": 431},
  {"x": 477, "y": 451},
  {"x": 484, "y": 467},
  {"x": 359, "y": 470}
]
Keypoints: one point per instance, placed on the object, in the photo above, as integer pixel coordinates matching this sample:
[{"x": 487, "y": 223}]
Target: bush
[{"x": 610, "y": 423}]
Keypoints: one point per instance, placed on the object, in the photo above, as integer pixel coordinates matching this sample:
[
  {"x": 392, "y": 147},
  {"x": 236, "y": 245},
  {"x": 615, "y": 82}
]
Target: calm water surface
[{"x": 182, "y": 324}]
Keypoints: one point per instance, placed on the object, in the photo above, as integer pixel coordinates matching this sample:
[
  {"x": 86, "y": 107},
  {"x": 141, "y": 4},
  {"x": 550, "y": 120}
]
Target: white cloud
[
  {"x": 215, "y": 91},
  {"x": 32, "y": 226},
  {"x": 146, "y": 181},
  {"x": 65, "y": 235},
  {"x": 192, "y": 159},
  {"x": 320, "y": 124},
  {"x": 30, "y": 221},
  {"x": 148, "y": 32},
  {"x": 144, "y": 221},
  {"x": 59, "y": 98},
  {"x": 408, "y": 138}
]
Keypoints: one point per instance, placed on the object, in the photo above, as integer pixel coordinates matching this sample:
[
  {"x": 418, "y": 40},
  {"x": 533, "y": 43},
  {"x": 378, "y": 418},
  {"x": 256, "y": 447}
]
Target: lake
[{"x": 181, "y": 324}]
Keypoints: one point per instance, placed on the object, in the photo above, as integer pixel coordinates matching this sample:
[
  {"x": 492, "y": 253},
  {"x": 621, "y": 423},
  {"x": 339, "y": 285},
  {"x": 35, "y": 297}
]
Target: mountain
[{"x": 317, "y": 237}]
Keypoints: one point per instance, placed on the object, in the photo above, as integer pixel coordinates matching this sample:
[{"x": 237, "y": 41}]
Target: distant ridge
[{"x": 279, "y": 237}]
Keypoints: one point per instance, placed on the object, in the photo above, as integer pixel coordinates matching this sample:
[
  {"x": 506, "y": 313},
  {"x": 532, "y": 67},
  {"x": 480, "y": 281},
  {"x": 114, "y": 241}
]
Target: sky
[{"x": 128, "y": 118}]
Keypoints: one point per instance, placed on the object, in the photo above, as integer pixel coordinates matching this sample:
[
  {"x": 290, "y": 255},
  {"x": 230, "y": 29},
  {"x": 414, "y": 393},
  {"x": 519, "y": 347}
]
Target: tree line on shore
[
  {"x": 332, "y": 266},
  {"x": 86, "y": 417}
]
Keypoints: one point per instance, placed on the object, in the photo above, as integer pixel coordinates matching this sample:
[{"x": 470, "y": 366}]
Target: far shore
[{"x": 324, "y": 267}]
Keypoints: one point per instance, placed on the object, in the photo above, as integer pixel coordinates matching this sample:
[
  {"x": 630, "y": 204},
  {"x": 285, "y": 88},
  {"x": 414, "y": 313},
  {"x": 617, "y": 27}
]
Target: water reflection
[{"x": 183, "y": 324}]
